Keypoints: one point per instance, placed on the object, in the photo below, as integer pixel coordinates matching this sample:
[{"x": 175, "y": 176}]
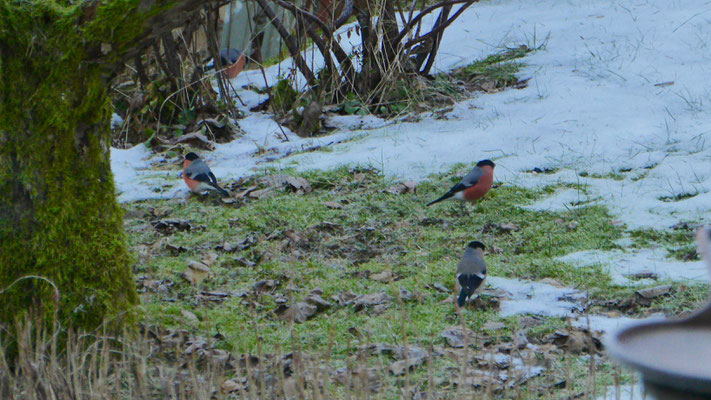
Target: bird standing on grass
[
  {"x": 198, "y": 177},
  {"x": 471, "y": 272},
  {"x": 474, "y": 185}
]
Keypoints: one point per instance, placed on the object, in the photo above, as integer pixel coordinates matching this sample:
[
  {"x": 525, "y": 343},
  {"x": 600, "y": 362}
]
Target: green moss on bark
[{"x": 59, "y": 218}]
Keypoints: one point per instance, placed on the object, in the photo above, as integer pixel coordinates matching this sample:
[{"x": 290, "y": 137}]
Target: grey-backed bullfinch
[
  {"x": 198, "y": 177},
  {"x": 474, "y": 185},
  {"x": 471, "y": 272}
]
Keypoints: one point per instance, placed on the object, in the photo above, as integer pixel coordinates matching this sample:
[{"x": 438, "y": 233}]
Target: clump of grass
[
  {"x": 678, "y": 197},
  {"x": 500, "y": 67}
]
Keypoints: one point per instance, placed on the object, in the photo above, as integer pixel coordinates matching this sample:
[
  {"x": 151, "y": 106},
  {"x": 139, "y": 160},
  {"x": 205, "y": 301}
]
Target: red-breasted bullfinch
[
  {"x": 471, "y": 272},
  {"x": 474, "y": 185},
  {"x": 198, "y": 177}
]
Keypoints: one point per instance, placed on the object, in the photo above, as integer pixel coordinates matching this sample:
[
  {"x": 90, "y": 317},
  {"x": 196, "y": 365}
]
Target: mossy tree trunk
[{"x": 59, "y": 218}]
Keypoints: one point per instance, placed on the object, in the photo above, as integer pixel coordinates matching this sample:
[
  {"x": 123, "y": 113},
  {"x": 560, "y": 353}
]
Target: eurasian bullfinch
[
  {"x": 471, "y": 272},
  {"x": 197, "y": 175},
  {"x": 474, "y": 185}
]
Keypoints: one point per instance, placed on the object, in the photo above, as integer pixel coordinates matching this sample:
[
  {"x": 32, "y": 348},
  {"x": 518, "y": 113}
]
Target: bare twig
[
  {"x": 290, "y": 43},
  {"x": 437, "y": 39},
  {"x": 439, "y": 28},
  {"x": 430, "y": 9}
]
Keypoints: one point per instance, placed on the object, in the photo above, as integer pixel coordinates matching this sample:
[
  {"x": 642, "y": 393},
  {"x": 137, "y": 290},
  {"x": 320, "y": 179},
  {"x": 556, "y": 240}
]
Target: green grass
[
  {"x": 374, "y": 231},
  {"x": 500, "y": 67}
]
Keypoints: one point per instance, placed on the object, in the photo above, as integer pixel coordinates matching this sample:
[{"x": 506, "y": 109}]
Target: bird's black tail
[
  {"x": 462, "y": 297},
  {"x": 221, "y": 190},
  {"x": 469, "y": 283},
  {"x": 444, "y": 197}
]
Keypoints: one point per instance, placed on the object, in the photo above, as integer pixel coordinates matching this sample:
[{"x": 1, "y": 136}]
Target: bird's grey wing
[
  {"x": 199, "y": 171},
  {"x": 472, "y": 178},
  {"x": 472, "y": 264}
]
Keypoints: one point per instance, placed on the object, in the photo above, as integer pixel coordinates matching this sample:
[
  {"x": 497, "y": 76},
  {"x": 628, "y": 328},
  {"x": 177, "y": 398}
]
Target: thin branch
[
  {"x": 443, "y": 15},
  {"x": 439, "y": 28},
  {"x": 290, "y": 43},
  {"x": 345, "y": 14},
  {"x": 431, "y": 9},
  {"x": 343, "y": 59}
]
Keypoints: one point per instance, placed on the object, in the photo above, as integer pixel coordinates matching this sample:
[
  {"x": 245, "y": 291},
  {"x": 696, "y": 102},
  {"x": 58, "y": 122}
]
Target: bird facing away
[
  {"x": 474, "y": 185},
  {"x": 471, "y": 271},
  {"x": 198, "y": 177}
]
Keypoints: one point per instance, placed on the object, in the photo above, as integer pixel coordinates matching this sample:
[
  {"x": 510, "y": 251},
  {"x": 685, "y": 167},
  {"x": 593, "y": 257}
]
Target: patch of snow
[
  {"x": 607, "y": 325},
  {"x": 620, "y": 264},
  {"x": 536, "y": 298},
  {"x": 116, "y": 121},
  {"x": 134, "y": 178}
]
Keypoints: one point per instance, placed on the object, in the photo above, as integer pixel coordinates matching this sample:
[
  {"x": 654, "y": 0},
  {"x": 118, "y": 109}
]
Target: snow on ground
[
  {"x": 536, "y": 298},
  {"x": 620, "y": 264},
  {"x": 618, "y": 87}
]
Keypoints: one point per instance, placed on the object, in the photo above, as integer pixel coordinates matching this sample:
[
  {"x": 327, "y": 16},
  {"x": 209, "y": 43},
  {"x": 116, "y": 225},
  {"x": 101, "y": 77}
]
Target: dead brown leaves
[{"x": 301, "y": 311}]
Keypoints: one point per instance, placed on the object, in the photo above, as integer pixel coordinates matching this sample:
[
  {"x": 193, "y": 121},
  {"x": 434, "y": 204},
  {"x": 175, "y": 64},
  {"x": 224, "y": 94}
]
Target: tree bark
[{"x": 59, "y": 218}]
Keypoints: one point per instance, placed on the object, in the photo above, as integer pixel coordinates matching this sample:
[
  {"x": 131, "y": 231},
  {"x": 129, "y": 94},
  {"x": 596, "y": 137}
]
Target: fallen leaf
[
  {"x": 196, "y": 272},
  {"x": 215, "y": 296},
  {"x": 500, "y": 228},
  {"x": 195, "y": 139},
  {"x": 457, "y": 336},
  {"x": 644, "y": 275},
  {"x": 400, "y": 367},
  {"x": 493, "y": 326},
  {"x": 314, "y": 298},
  {"x": 370, "y": 300},
  {"x": 231, "y": 385},
  {"x": 295, "y": 237},
  {"x": 402, "y": 188},
  {"x": 333, "y": 205},
  {"x": 175, "y": 249},
  {"x": 299, "y": 312},
  {"x": 189, "y": 315},
  {"x": 645, "y": 296},
  {"x": 261, "y": 194},
  {"x": 384, "y": 276},
  {"x": 170, "y": 226},
  {"x": 209, "y": 258},
  {"x": 440, "y": 287},
  {"x": 242, "y": 262},
  {"x": 242, "y": 194},
  {"x": 265, "y": 285},
  {"x": 298, "y": 184},
  {"x": 346, "y": 298}
]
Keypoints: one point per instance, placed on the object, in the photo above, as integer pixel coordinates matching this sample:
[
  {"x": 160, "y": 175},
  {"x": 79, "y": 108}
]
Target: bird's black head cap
[
  {"x": 476, "y": 245},
  {"x": 191, "y": 156},
  {"x": 485, "y": 162}
]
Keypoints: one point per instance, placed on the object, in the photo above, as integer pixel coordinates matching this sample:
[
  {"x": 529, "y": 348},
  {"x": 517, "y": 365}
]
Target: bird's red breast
[
  {"x": 192, "y": 183},
  {"x": 478, "y": 191}
]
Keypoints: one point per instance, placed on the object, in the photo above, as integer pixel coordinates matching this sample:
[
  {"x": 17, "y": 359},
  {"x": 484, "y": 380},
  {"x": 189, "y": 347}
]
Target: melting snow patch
[
  {"x": 607, "y": 325},
  {"x": 621, "y": 264},
  {"x": 536, "y": 298}
]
